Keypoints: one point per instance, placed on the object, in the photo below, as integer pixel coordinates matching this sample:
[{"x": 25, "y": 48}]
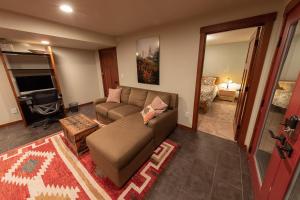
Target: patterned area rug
[{"x": 47, "y": 169}]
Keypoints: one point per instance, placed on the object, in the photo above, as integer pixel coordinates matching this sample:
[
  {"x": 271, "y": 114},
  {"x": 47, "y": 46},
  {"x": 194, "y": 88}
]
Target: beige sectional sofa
[{"x": 120, "y": 148}]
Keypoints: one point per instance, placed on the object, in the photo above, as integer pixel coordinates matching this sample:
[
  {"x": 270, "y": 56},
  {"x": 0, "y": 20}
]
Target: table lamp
[{"x": 228, "y": 81}]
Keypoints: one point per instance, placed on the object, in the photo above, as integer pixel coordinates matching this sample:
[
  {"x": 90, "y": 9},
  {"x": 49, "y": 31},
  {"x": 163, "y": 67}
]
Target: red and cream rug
[{"x": 47, "y": 169}]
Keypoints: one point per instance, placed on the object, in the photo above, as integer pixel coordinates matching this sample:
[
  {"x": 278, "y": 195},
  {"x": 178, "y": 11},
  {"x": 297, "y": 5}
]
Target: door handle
[
  {"x": 280, "y": 152},
  {"x": 280, "y": 138},
  {"x": 285, "y": 149}
]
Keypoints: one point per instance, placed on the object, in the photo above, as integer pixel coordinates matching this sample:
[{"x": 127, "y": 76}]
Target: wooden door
[
  {"x": 109, "y": 68},
  {"x": 274, "y": 159},
  {"x": 246, "y": 80}
]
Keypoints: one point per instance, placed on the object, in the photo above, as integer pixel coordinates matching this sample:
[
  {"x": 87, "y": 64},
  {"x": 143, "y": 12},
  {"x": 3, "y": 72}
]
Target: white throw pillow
[{"x": 114, "y": 95}]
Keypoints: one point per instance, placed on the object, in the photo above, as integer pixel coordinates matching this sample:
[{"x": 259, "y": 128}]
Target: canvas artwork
[{"x": 147, "y": 58}]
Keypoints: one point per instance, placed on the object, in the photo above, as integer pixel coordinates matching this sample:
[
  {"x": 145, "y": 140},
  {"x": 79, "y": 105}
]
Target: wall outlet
[{"x": 14, "y": 111}]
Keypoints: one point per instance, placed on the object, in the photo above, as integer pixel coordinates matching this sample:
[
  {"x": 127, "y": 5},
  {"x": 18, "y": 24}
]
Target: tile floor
[
  {"x": 205, "y": 167},
  {"x": 218, "y": 120}
]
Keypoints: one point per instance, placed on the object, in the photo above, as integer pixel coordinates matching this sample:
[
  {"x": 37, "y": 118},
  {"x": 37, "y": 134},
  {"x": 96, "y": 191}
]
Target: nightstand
[{"x": 227, "y": 94}]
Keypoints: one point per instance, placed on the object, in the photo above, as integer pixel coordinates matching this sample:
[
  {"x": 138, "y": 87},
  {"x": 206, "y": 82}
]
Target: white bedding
[
  {"x": 282, "y": 98},
  {"x": 208, "y": 93}
]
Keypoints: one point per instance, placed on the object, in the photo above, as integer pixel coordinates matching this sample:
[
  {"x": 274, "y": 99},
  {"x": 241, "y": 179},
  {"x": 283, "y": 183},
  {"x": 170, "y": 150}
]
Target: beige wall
[
  {"x": 78, "y": 75},
  {"x": 179, "y": 45},
  {"x": 78, "y": 72},
  {"x": 225, "y": 60},
  {"x": 7, "y": 100}
]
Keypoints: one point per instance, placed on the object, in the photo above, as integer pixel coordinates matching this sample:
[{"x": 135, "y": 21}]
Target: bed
[
  {"x": 209, "y": 91},
  {"x": 283, "y": 94}
]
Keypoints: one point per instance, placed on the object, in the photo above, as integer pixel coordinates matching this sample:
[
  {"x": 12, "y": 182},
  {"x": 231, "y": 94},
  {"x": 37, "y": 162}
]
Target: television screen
[{"x": 30, "y": 83}]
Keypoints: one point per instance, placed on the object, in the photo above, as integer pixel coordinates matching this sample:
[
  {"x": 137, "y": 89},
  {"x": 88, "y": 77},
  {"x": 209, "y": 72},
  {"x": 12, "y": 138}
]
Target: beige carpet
[{"x": 218, "y": 120}]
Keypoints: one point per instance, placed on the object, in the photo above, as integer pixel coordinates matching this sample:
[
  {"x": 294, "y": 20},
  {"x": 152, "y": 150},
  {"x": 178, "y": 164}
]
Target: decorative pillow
[
  {"x": 158, "y": 105},
  {"x": 208, "y": 80},
  {"x": 148, "y": 113},
  {"x": 114, "y": 95}
]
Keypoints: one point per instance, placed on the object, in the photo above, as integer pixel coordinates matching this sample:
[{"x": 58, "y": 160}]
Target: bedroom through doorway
[{"x": 227, "y": 60}]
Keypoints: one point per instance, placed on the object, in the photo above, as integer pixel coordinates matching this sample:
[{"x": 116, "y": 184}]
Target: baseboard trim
[
  {"x": 80, "y": 105},
  {"x": 11, "y": 123},
  {"x": 184, "y": 127},
  {"x": 84, "y": 104}
]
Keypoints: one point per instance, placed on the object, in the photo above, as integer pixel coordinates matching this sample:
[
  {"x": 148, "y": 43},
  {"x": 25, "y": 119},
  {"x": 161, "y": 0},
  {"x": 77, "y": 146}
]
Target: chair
[{"x": 46, "y": 103}]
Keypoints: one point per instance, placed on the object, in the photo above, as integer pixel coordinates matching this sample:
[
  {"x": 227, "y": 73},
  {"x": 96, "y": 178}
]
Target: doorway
[
  {"x": 228, "y": 57},
  {"x": 109, "y": 68},
  {"x": 247, "y": 94},
  {"x": 275, "y": 152}
]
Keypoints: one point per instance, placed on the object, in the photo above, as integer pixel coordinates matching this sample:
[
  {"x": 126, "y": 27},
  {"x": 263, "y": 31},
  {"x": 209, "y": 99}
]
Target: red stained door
[
  {"x": 274, "y": 160},
  {"x": 109, "y": 68}
]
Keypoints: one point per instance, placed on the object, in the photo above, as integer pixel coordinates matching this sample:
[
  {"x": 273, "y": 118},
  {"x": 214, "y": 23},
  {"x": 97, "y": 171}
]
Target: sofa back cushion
[
  {"x": 125, "y": 94},
  {"x": 137, "y": 97},
  {"x": 165, "y": 97}
]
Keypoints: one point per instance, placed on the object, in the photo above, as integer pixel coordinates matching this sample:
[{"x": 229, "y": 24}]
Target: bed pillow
[
  {"x": 208, "y": 80},
  {"x": 148, "y": 113},
  {"x": 158, "y": 105},
  {"x": 114, "y": 95}
]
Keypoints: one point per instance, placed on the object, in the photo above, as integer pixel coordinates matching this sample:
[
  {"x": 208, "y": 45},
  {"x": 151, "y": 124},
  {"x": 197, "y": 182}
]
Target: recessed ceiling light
[
  {"x": 45, "y": 42},
  {"x": 66, "y": 8}
]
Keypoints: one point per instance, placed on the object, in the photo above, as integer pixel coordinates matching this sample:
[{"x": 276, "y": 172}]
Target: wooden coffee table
[{"x": 76, "y": 128}]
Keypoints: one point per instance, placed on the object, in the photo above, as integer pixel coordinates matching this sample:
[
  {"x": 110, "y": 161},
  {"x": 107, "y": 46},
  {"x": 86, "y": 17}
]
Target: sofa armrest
[
  {"x": 163, "y": 125},
  {"x": 100, "y": 100}
]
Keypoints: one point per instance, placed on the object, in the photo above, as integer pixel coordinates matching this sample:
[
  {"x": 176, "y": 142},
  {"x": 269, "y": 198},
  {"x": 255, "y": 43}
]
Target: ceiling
[
  {"x": 119, "y": 17},
  {"x": 30, "y": 38},
  {"x": 240, "y": 35}
]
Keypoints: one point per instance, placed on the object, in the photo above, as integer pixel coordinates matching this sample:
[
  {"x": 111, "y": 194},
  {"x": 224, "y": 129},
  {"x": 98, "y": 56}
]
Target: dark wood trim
[
  {"x": 259, "y": 20},
  {"x": 266, "y": 22},
  {"x": 25, "y": 53},
  {"x": 54, "y": 67},
  {"x": 102, "y": 73},
  {"x": 10, "y": 123},
  {"x": 290, "y": 6},
  {"x": 201, "y": 56},
  {"x": 185, "y": 127},
  {"x": 84, "y": 104},
  {"x": 80, "y": 105},
  {"x": 12, "y": 87}
]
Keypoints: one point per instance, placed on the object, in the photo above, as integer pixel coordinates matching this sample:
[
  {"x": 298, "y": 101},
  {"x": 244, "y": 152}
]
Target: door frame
[
  {"x": 267, "y": 95},
  {"x": 266, "y": 21}
]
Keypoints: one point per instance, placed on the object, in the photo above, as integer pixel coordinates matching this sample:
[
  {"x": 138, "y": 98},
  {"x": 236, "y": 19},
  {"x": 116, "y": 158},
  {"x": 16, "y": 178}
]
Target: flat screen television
[{"x": 32, "y": 83}]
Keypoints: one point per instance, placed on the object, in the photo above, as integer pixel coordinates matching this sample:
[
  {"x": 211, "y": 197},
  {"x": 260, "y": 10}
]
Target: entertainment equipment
[{"x": 34, "y": 83}]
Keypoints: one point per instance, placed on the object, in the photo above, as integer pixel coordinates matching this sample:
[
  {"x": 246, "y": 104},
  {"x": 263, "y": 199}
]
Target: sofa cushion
[
  {"x": 137, "y": 97},
  {"x": 152, "y": 94},
  {"x": 103, "y": 108},
  {"x": 122, "y": 111},
  {"x": 125, "y": 94},
  {"x": 120, "y": 141}
]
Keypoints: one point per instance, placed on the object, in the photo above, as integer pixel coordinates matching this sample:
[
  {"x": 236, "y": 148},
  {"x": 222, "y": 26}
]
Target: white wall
[
  {"x": 7, "y": 99},
  {"x": 225, "y": 60},
  {"x": 179, "y": 44},
  {"x": 78, "y": 75}
]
